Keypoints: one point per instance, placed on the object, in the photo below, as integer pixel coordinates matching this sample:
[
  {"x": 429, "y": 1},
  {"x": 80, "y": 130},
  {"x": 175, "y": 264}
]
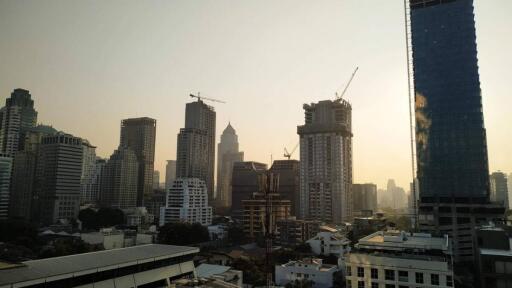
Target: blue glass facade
[{"x": 450, "y": 134}]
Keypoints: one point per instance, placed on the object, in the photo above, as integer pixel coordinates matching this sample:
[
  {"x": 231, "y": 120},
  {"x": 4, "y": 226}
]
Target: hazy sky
[{"x": 89, "y": 64}]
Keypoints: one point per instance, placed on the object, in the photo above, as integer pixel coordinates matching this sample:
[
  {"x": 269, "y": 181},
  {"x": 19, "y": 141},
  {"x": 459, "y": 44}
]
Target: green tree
[
  {"x": 183, "y": 234},
  {"x": 104, "y": 217},
  {"x": 236, "y": 235}
]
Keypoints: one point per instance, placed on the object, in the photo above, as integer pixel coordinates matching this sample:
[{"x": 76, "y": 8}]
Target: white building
[
  {"x": 326, "y": 162},
  {"x": 187, "y": 201},
  {"x": 399, "y": 259},
  {"x": 329, "y": 243},
  {"x": 306, "y": 269},
  {"x": 5, "y": 183}
]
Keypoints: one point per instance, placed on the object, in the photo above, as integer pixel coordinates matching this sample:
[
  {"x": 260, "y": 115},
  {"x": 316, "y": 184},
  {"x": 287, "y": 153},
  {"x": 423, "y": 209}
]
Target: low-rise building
[
  {"x": 399, "y": 259},
  {"x": 308, "y": 269},
  {"x": 139, "y": 266},
  {"x": 220, "y": 275},
  {"x": 108, "y": 238},
  {"x": 292, "y": 231},
  {"x": 494, "y": 256},
  {"x": 329, "y": 243}
]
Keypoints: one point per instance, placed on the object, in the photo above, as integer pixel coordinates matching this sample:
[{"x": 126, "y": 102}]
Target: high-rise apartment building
[
  {"x": 5, "y": 183},
  {"x": 228, "y": 155},
  {"x": 499, "y": 188},
  {"x": 23, "y": 204},
  {"x": 326, "y": 161},
  {"x": 244, "y": 183},
  {"x": 451, "y": 146},
  {"x": 396, "y": 195},
  {"x": 364, "y": 197},
  {"x": 156, "y": 179},
  {"x": 119, "y": 185},
  {"x": 195, "y": 157},
  {"x": 16, "y": 117},
  {"x": 170, "y": 173},
  {"x": 139, "y": 135},
  {"x": 187, "y": 201},
  {"x": 88, "y": 173},
  {"x": 289, "y": 182},
  {"x": 57, "y": 180}
]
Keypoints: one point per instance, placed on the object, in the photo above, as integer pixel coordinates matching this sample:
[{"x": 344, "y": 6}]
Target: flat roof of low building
[
  {"x": 400, "y": 240},
  {"x": 207, "y": 270},
  {"x": 89, "y": 262}
]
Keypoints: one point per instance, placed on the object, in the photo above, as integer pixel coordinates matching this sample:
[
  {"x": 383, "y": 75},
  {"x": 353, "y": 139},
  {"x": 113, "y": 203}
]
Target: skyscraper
[
  {"x": 5, "y": 181},
  {"x": 499, "y": 188},
  {"x": 170, "y": 173},
  {"x": 57, "y": 186},
  {"x": 23, "y": 201},
  {"x": 119, "y": 185},
  {"x": 195, "y": 155},
  {"x": 16, "y": 117},
  {"x": 139, "y": 134},
  {"x": 289, "y": 182},
  {"x": 156, "y": 179},
  {"x": 398, "y": 199},
  {"x": 228, "y": 155},
  {"x": 451, "y": 147},
  {"x": 326, "y": 161},
  {"x": 244, "y": 182},
  {"x": 88, "y": 173}
]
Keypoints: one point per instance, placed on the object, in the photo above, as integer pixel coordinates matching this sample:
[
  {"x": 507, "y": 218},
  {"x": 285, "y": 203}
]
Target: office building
[
  {"x": 228, "y": 154},
  {"x": 195, "y": 156},
  {"x": 254, "y": 217},
  {"x": 307, "y": 269},
  {"x": 22, "y": 203},
  {"x": 87, "y": 194},
  {"x": 156, "y": 179},
  {"x": 289, "y": 183},
  {"x": 326, "y": 162},
  {"x": 499, "y": 189},
  {"x": 58, "y": 172},
  {"x": 139, "y": 135},
  {"x": 119, "y": 180},
  {"x": 187, "y": 201},
  {"x": 5, "y": 184},
  {"x": 451, "y": 145},
  {"x": 151, "y": 265},
  {"x": 494, "y": 256},
  {"x": 399, "y": 259},
  {"x": 16, "y": 117},
  {"x": 244, "y": 182},
  {"x": 170, "y": 173},
  {"x": 364, "y": 197}
]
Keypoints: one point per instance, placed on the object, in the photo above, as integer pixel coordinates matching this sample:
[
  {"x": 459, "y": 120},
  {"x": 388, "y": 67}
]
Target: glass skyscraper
[{"x": 450, "y": 134}]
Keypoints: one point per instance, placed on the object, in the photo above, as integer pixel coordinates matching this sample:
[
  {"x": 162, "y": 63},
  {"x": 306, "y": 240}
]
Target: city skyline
[{"x": 64, "y": 87}]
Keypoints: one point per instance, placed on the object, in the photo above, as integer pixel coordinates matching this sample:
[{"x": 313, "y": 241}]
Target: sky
[{"x": 89, "y": 64}]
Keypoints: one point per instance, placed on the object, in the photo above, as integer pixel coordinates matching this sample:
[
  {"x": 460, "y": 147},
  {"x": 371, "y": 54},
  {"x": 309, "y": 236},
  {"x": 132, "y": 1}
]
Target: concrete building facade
[
  {"x": 170, "y": 173},
  {"x": 254, "y": 215},
  {"x": 139, "y": 135},
  {"x": 288, "y": 172},
  {"x": 308, "y": 269},
  {"x": 244, "y": 183},
  {"x": 364, "y": 197},
  {"x": 228, "y": 154},
  {"x": 5, "y": 185},
  {"x": 87, "y": 178},
  {"x": 119, "y": 180},
  {"x": 499, "y": 188},
  {"x": 187, "y": 201},
  {"x": 16, "y": 117},
  {"x": 326, "y": 162}
]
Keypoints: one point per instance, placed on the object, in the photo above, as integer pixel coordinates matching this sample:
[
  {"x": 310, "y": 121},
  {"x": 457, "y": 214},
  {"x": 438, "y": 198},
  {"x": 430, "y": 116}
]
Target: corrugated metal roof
[{"x": 43, "y": 268}]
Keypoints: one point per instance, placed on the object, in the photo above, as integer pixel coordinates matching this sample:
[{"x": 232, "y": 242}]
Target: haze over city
[{"x": 88, "y": 66}]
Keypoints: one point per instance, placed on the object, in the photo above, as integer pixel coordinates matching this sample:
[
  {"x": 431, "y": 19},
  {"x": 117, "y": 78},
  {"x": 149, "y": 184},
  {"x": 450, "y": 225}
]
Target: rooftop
[
  {"x": 401, "y": 240},
  {"x": 43, "y": 268}
]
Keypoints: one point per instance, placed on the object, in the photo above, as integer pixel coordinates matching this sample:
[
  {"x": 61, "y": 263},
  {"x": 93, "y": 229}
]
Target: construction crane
[
  {"x": 340, "y": 96},
  {"x": 199, "y": 98},
  {"x": 289, "y": 154}
]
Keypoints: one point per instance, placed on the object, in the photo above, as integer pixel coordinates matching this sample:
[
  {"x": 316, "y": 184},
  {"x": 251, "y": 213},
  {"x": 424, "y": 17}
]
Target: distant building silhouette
[
  {"x": 228, "y": 155},
  {"x": 499, "y": 188},
  {"x": 326, "y": 161},
  {"x": 170, "y": 173},
  {"x": 364, "y": 198},
  {"x": 16, "y": 117},
  {"x": 156, "y": 179},
  {"x": 119, "y": 185},
  {"x": 397, "y": 196},
  {"x": 195, "y": 156},
  {"x": 58, "y": 172},
  {"x": 245, "y": 182},
  {"x": 289, "y": 182},
  {"x": 87, "y": 194},
  {"x": 5, "y": 183},
  {"x": 139, "y": 135}
]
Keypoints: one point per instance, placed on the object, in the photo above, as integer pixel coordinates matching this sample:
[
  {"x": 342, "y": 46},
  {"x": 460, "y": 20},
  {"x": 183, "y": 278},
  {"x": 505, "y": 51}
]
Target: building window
[
  {"x": 434, "y": 279},
  {"x": 390, "y": 274},
  {"x": 349, "y": 284},
  {"x": 419, "y": 278},
  {"x": 349, "y": 271},
  {"x": 375, "y": 273},
  {"x": 360, "y": 272},
  {"x": 375, "y": 285},
  {"x": 449, "y": 281},
  {"x": 403, "y": 276},
  {"x": 360, "y": 284}
]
